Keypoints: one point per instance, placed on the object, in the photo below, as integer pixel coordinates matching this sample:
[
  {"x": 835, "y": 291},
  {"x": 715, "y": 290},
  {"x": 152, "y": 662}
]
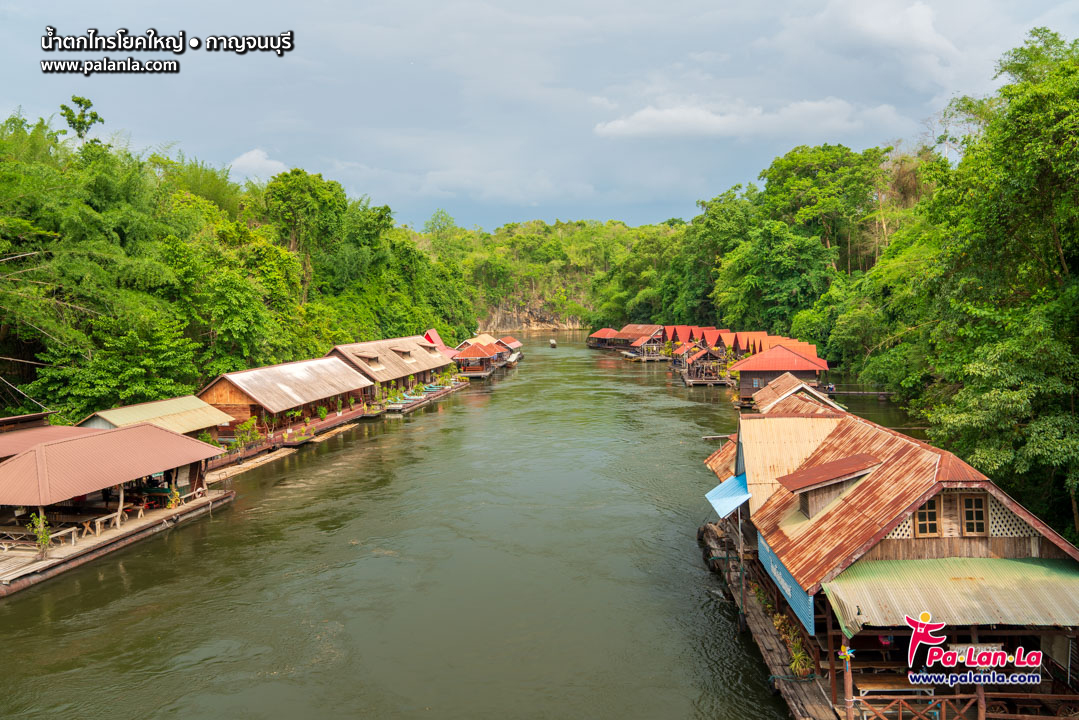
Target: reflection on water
[{"x": 526, "y": 548}]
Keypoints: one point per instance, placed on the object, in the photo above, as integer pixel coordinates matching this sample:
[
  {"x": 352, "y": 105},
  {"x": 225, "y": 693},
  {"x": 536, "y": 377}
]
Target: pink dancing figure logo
[{"x": 922, "y": 634}]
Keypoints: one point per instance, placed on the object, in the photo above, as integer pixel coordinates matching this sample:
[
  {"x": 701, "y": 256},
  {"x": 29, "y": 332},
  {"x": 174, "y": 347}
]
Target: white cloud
[
  {"x": 257, "y": 164},
  {"x": 806, "y": 118}
]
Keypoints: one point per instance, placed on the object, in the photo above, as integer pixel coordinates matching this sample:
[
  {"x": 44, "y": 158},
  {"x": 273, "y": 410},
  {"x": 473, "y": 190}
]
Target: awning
[
  {"x": 957, "y": 591},
  {"x": 728, "y": 495}
]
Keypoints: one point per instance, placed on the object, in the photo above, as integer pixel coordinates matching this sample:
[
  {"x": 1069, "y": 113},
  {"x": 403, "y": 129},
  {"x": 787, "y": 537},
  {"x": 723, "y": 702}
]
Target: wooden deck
[
  {"x": 224, "y": 473},
  {"x": 692, "y": 382},
  {"x": 476, "y": 374},
  {"x": 19, "y": 569},
  {"x": 807, "y": 699}
]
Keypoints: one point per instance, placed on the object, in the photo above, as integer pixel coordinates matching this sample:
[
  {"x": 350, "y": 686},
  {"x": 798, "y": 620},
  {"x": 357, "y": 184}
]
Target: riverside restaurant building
[
  {"x": 98, "y": 490},
  {"x": 886, "y": 556},
  {"x": 290, "y": 398}
]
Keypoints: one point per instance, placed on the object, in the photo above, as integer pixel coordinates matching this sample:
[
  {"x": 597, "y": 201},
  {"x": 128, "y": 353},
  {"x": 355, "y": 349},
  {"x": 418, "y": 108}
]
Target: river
[{"x": 524, "y": 549}]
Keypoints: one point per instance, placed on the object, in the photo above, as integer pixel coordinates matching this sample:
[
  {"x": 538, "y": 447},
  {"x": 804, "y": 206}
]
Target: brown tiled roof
[
  {"x": 479, "y": 350},
  {"x": 784, "y": 386},
  {"x": 604, "y": 333}
]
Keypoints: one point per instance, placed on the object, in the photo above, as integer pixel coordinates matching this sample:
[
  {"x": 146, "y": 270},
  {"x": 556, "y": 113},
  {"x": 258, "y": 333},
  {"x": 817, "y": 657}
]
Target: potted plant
[
  {"x": 323, "y": 411},
  {"x": 801, "y": 663}
]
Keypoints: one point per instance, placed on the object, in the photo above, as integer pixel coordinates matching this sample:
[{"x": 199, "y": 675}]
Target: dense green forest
[
  {"x": 941, "y": 271},
  {"x": 129, "y": 278}
]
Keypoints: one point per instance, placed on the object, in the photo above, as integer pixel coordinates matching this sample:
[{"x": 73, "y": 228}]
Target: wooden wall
[
  {"x": 745, "y": 382},
  {"x": 978, "y": 547}
]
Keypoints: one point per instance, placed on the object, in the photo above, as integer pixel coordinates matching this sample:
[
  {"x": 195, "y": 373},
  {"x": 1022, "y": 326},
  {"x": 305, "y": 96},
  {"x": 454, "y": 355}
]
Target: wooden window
[
  {"x": 756, "y": 382},
  {"x": 803, "y": 503},
  {"x": 972, "y": 510},
  {"x": 927, "y": 519}
]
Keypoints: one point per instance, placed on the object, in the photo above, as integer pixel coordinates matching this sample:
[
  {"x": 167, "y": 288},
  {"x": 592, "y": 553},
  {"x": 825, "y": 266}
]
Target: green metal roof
[
  {"x": 183, "y": 415},
  {"x": 958, "y": 591}
]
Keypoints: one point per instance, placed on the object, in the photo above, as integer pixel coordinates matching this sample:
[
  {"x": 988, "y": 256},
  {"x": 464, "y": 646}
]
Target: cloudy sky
[{"x": 501, "y": 112}]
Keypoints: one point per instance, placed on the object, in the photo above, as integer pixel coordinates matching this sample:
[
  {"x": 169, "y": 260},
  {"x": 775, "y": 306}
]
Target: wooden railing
[{"x": 916, "y": 707}]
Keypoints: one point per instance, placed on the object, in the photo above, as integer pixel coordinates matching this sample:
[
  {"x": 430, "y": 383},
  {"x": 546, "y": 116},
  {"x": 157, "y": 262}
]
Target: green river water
[{"x": 524, "y": 549}]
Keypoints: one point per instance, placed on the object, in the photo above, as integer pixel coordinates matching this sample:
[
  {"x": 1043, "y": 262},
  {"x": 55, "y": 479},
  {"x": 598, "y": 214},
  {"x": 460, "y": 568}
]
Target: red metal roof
[
  {"x": 702, "y": 353},
  {"x": 640, "y": 341},
  {"x": 511, "y": 342},
  {"x": 826, "y": 473},
  {"x": 688, "y": 347},
  {"x": 433, "y": 336},
  {"x": 604, "y": 333},
  {"x": 59, "y": 470},
  {"x": 479, "y": 350},
  {"x": 634, "y": 331},
  {"x": 779, "y": 358},
  {"x": 17, "y": 441}
]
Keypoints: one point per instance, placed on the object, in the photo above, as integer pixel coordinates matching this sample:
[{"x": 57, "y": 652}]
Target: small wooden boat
[{"x": 553, "y": 343}]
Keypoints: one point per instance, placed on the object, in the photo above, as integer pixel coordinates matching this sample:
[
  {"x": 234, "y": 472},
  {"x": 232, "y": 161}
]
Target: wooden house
[
  {"x": 629, "y": 334},
  {"x": 187, "y": 415},
  {"x": 481, "y": 339},
  {"x": 601, "y": 339},
  {"x": 707, "y": 366},
  {"x": 743, "y": 342},
  {"x": 395, "y": 363},
  {"x": 280, "y": 396},
  {"x": 647, "y": 347},
  {"x": 681, "y": 354},
  {"x": 863, "y": 536},
  {"x": 756, "y": 371},
  {"x": 478, "y": 361},
  {"x": 98, "y": 490}
]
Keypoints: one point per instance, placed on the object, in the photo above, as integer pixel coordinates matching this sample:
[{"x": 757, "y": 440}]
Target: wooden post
[
  {"x": 831, "y": 650},
  {"x": 979, "y": 689},
  {"x": 120, "y": 506},
  {"x": 848, "y": 689},
  {"x": 742, "y": 573}
]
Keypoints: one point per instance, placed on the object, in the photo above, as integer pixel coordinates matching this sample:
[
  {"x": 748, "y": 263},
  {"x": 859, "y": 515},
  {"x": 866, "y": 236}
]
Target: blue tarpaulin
[{"x": 728, "y": 495}]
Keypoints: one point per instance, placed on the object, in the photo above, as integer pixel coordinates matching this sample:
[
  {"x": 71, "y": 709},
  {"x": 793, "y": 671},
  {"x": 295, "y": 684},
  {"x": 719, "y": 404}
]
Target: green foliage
[
  {"x": 135, "y": 279},
  {"x": 323, "y": 411},
  {"x": 247, "y": 433},
  {"x": 42, "y": 535},
  {"x": 82, "y": 121}
]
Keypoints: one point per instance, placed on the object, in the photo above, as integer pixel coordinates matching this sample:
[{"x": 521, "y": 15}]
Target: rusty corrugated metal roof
[
  {"x": 17, "y": 441},
  {"x": 283, "y": 387},
  {"x": 721, "y": 462},
  {"x": 816, "y": 550},
  {"x": 705, "y": 351},
  {"x": 636, "y": 330},
  {"x": 785, "y": 386},
  {"x": 801, "y": 405},
  {"x": 183, "y": 414},
  {"x": 775, "y": 445},
  {"x": 812, "y": 476},
  {"x": 380, "y": 362},
  {"x": 957, "y": 591},
  {"x": 688, "y": 347},
  {"x": 52, "y": 472}
]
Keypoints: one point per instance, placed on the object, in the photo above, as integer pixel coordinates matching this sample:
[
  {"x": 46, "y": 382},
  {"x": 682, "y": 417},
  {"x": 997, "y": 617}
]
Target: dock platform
[
  {"x": 20, "y": 569},
  {"x": 807, "y": 699}
]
